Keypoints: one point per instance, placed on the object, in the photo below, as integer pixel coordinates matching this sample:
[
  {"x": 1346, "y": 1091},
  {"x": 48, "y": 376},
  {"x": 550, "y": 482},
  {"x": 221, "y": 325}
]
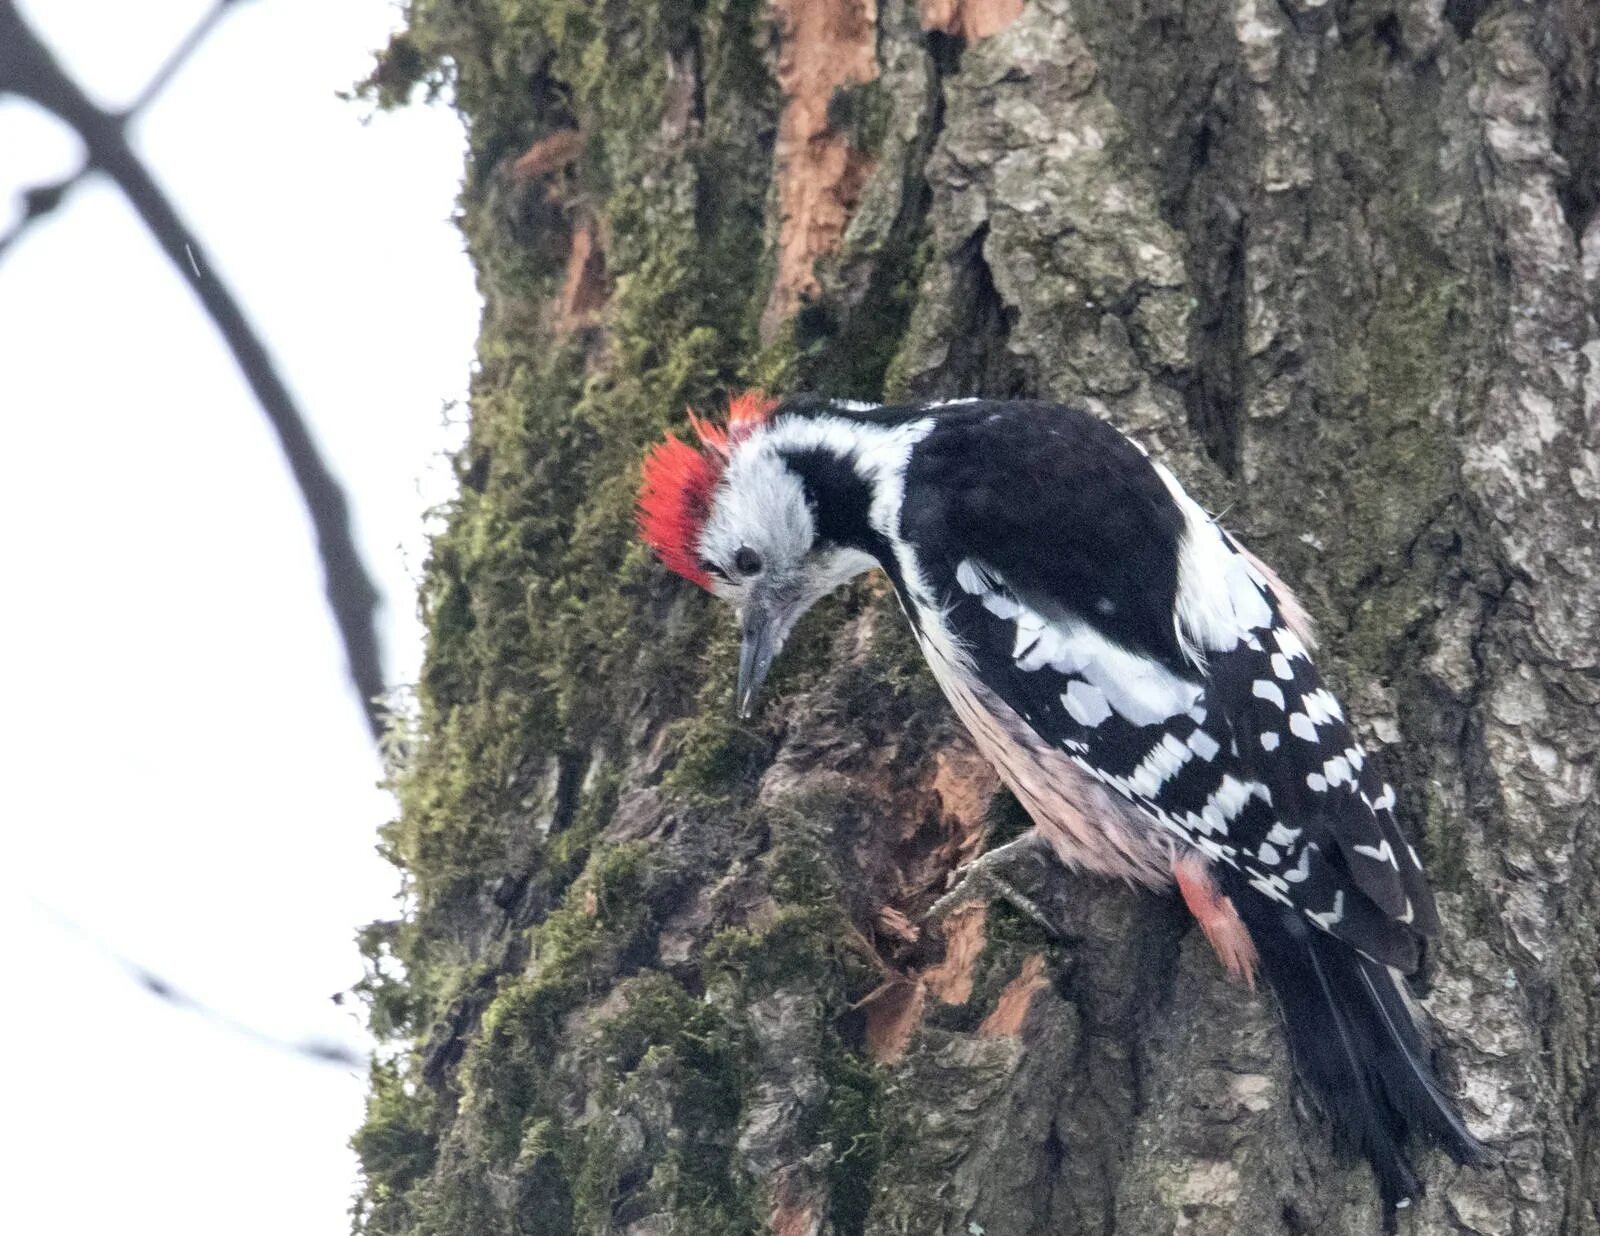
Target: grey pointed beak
[{"x": 758, "y": 647}]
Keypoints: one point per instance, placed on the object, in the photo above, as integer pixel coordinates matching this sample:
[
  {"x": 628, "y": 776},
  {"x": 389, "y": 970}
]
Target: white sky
[{"x": 183, "y": 772}]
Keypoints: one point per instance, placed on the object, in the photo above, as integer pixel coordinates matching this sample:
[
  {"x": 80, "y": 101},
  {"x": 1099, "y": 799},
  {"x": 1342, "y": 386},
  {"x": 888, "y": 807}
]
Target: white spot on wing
[
  {"x": 1290, "y": 643},
  {"x": 1271, "y": 886},
  {"x": 1378, "y": 853},
  {"x": 1270, "y": 740},
  {"x": 1300, "y": 726},
  {"x": 1322, "y": 707},
  {"x": 1231, "y": 796},
  {"x": 1330, "y": 918},
  {"x": 1281, "y": 667},
  {"x": 1159, "y": 766},
  {"x": 1263, "y": 689},
  {"x": 1203, "y": 745}
]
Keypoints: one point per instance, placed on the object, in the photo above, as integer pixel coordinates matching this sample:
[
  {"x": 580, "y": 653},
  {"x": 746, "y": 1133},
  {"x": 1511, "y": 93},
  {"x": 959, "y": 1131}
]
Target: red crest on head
[{"x": 679, "y": 480}]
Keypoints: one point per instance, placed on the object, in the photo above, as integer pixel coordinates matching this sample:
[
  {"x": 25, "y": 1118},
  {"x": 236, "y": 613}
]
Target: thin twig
[
  {"x": 180, "y": 55},
  {"x": 38, "y": 202},
  {"x": 323, "y": 1051}
]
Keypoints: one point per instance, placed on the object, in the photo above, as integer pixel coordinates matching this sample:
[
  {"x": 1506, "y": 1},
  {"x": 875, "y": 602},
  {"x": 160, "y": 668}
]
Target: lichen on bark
[{"x": 663, "y": 971}]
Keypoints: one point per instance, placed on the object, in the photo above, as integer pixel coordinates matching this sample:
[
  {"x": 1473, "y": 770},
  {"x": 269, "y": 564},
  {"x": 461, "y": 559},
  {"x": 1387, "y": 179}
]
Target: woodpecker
[{"x": 1140, "y": 681}]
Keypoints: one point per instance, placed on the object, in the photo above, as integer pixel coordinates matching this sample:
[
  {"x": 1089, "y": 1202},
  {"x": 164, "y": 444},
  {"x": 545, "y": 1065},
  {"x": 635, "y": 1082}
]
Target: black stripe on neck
[{"x": 840, "y": 499}]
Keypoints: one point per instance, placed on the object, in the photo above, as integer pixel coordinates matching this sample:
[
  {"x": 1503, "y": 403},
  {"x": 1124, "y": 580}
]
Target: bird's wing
[{"x": 1239, "y": 751}]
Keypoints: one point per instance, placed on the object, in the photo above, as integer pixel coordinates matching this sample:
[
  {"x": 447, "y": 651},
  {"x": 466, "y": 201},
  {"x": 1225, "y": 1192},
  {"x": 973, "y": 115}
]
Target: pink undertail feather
[{"x": 1217, "y": 918}]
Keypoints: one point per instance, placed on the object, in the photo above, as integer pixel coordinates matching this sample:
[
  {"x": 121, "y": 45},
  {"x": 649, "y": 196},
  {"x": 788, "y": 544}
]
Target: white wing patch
[
  {"x": 974, "y": 578},
  {"x": 1219, "y": 600},
  {"x": 1139, "y": 690},
  {"x": 1085, "y": 703}
]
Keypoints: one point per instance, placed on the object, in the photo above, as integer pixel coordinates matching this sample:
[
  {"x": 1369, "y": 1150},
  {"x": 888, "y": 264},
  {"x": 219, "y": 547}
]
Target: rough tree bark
[{"x": 663, "y": 972}]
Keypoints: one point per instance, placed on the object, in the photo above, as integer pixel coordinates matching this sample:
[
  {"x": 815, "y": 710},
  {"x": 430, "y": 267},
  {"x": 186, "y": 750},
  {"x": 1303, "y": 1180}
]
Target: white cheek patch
[{"x": 762, "y": 504}]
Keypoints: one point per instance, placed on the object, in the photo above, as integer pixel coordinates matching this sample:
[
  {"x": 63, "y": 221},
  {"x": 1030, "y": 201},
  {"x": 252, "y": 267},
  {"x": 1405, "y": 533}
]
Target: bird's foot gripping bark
[{"x": 991, "y": 875}]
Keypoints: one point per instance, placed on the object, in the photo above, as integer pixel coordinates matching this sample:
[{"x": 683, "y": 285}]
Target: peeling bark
[
  {"x": 823, "y": 45},
  {"x": 1337, "y": 263},
  {"x": 970, "y": 19}
]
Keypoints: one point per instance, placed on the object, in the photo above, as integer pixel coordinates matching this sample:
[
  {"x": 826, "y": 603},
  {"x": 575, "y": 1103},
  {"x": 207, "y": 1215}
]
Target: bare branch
[{"x": 28, "y": 69}]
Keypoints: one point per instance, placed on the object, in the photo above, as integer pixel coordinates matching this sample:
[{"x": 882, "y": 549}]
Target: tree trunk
[{"x": 666, "y": 972}]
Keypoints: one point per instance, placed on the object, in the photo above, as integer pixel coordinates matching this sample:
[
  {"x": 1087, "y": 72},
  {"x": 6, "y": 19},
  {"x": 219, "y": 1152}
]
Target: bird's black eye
[{"x": 746, "y": 561}]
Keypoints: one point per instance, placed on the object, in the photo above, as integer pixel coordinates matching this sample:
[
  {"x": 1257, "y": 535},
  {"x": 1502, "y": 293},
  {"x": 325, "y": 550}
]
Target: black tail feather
[{"x": 1354, "y": 1042}]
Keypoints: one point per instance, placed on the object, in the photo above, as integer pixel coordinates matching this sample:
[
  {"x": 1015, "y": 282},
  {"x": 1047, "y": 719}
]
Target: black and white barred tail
[{"x": 1354, "y": 1041}]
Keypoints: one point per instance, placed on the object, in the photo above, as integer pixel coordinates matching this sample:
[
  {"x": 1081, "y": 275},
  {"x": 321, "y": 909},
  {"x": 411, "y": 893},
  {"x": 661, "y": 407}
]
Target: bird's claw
[{"x": 981, "y": 881}]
